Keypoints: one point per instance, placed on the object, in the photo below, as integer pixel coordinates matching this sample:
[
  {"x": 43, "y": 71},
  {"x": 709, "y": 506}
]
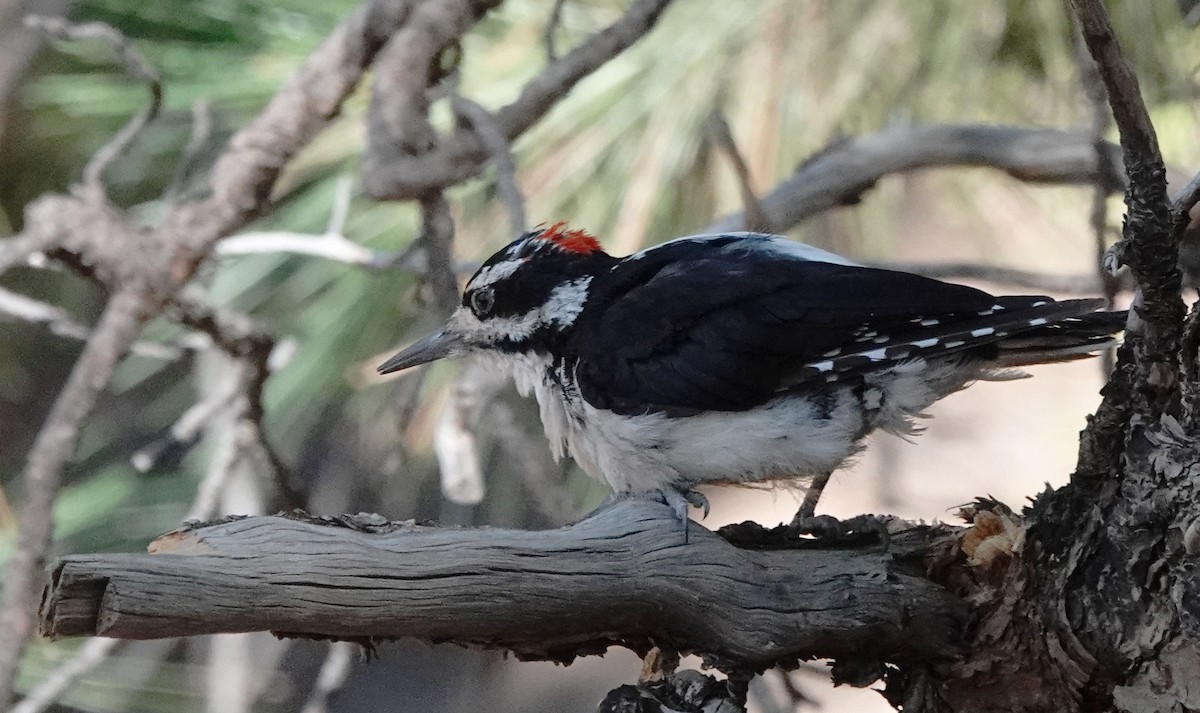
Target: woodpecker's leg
[{"x": 808, "y": 508}]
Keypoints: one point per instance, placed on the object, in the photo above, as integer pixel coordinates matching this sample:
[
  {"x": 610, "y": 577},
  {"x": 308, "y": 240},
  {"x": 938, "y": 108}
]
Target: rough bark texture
[{"x": 623, "y": 576}]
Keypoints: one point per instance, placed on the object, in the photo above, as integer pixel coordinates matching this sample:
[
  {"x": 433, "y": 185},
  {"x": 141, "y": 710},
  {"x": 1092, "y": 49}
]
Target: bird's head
[{"x": 521, "y": 300}]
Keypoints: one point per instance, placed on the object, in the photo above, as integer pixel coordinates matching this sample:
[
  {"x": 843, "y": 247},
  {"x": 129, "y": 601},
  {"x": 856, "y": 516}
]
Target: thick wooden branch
[
  {"x": 622, "y": 576},
  {"x": 841, "y": 173},
  {"x": 1146, "y": 378}
]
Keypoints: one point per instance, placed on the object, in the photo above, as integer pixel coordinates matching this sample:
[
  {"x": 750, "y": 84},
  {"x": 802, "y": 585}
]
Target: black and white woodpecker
[{"x": 739, "y": 357}]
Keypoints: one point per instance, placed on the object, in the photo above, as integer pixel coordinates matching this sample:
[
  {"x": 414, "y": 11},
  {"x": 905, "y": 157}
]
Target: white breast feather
[{"x": 784, "y": 438}]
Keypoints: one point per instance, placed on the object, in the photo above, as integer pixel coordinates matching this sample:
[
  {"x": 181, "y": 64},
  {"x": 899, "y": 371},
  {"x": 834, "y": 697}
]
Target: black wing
[{"x": 721, "y": 327}]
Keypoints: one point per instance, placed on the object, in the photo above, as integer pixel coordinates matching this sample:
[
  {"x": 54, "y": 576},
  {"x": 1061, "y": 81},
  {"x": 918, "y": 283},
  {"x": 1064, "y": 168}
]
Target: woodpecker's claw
[
  {"x": 697, "y": 499},
  {"x": 850, "y": 531},
  {"x": 679, "y": 500}
]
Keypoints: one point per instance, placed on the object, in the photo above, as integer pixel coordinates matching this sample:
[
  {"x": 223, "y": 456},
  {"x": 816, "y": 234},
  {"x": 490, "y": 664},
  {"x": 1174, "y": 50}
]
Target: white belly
[{"x": 789, "y": 437}]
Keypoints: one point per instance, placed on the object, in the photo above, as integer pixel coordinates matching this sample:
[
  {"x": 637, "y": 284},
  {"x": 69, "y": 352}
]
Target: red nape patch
[{"x": 573, "y": 241}]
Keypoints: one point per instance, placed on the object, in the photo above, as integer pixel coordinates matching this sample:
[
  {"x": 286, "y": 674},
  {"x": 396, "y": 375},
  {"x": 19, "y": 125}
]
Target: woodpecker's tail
[{"x": 1064, "y": 340}]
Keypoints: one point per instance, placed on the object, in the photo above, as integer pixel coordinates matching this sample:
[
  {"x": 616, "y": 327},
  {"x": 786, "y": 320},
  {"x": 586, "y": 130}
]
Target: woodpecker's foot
[
  {"x": 679, "y": 500},
  {"x": 675, "y": 498},
  {"x": 850, "y": 531}
]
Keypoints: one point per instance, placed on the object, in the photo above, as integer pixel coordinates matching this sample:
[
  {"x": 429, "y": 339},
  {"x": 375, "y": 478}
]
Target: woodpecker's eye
[{"x": 482, "y": 301}]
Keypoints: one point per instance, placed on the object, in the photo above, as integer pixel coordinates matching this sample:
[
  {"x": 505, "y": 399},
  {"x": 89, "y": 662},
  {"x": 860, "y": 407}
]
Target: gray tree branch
[
  {"x": 623, "y": 576},
  {"x": 1147, "y": 373},
  {"x": 114, "y": 335},
  {"x": 463, "y": 154},
  {"x": 842, "y": 172}
]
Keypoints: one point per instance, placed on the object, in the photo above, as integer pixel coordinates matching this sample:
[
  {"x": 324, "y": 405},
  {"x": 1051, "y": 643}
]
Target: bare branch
[
  {"x": 841, "y": 173},
  {"x": 552, "y": 25},
  {"x": 240, "y": 337},
  {"x": 340, "y": 210},
  {"x": 24, "y": 249},
  {"x": 132, "y": 62},
  {"x": 1147, "y": 243},
  {"x": 535, "y": 593},
  {"x": 332, "y": 675},
  {"x": 500, "y": 151},
  {"x": 247, "y": 170},
  {"x": 1146, "y": 378},
  {"x": 454, "y": 440},
  {"x": 115, "y": 333},
  {"x": 398, "y": 127},
  {"x": 329, "y": 246},
  {"x": 756, "y": 218},
  {"x": 1187, "y": 197},
  {"x": 202, "y": 129},
  {"x": 437, "y": 237},
  {"x": 399, "y": 175},
  {"x": 50, "y": 688},
  {"x": 1101, "y": 117},
  {"x": 62, "y": 324}
]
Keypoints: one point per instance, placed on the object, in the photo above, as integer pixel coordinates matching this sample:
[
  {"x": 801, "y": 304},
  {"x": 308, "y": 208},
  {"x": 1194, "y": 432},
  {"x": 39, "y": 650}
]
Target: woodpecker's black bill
[{"x": 436, "y": 346}]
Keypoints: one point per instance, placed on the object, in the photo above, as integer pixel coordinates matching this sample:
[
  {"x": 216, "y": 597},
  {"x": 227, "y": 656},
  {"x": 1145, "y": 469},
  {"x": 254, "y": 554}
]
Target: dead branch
[
  {"x": 719, "y": 131},
  {"x": 842, "y": 172},
  {"x": 132, "y": 62},
  {"x": 552, "y": 25},
  {"x": 437, "y": 237},
  {"x": 500, "y": 151},
  {"x": 399, "y": 176},
  {"x": 240, "y": 337},
  {"x": 59, "y": 322},
  {"x": 115, "y": 333},
  {"x": 623, "y": 576},
  {"x": 144, "y": 269},
  {"x": 89, "y": 656},
  {"x": 1146, "y": 378},
  {"x": 246, "y": 171}
]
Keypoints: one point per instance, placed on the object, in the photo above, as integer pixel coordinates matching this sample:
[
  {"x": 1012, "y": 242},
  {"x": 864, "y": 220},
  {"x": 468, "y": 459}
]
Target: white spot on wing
[
  {"x": 982, "y": 332},
  {"x": 1037, "y": 322},
  {"x": 929, "y": 322},
  {"x": 823, "y": 365},
  {"x": 925, "y": 343},
  {"x": 876, "y": 354}
]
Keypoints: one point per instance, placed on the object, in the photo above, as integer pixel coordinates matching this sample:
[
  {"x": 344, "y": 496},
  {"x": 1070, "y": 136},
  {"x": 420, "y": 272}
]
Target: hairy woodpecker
[{"x": 736, "y": 358}]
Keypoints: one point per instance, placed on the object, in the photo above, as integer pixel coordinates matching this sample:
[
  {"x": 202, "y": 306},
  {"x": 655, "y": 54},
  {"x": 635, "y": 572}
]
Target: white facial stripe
[
  {"x": 563, "y": 306},
  {"x": 566, "y": 302},
  {"x": 494, "y": 273},
  {"x": 495, "y": 329}
]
